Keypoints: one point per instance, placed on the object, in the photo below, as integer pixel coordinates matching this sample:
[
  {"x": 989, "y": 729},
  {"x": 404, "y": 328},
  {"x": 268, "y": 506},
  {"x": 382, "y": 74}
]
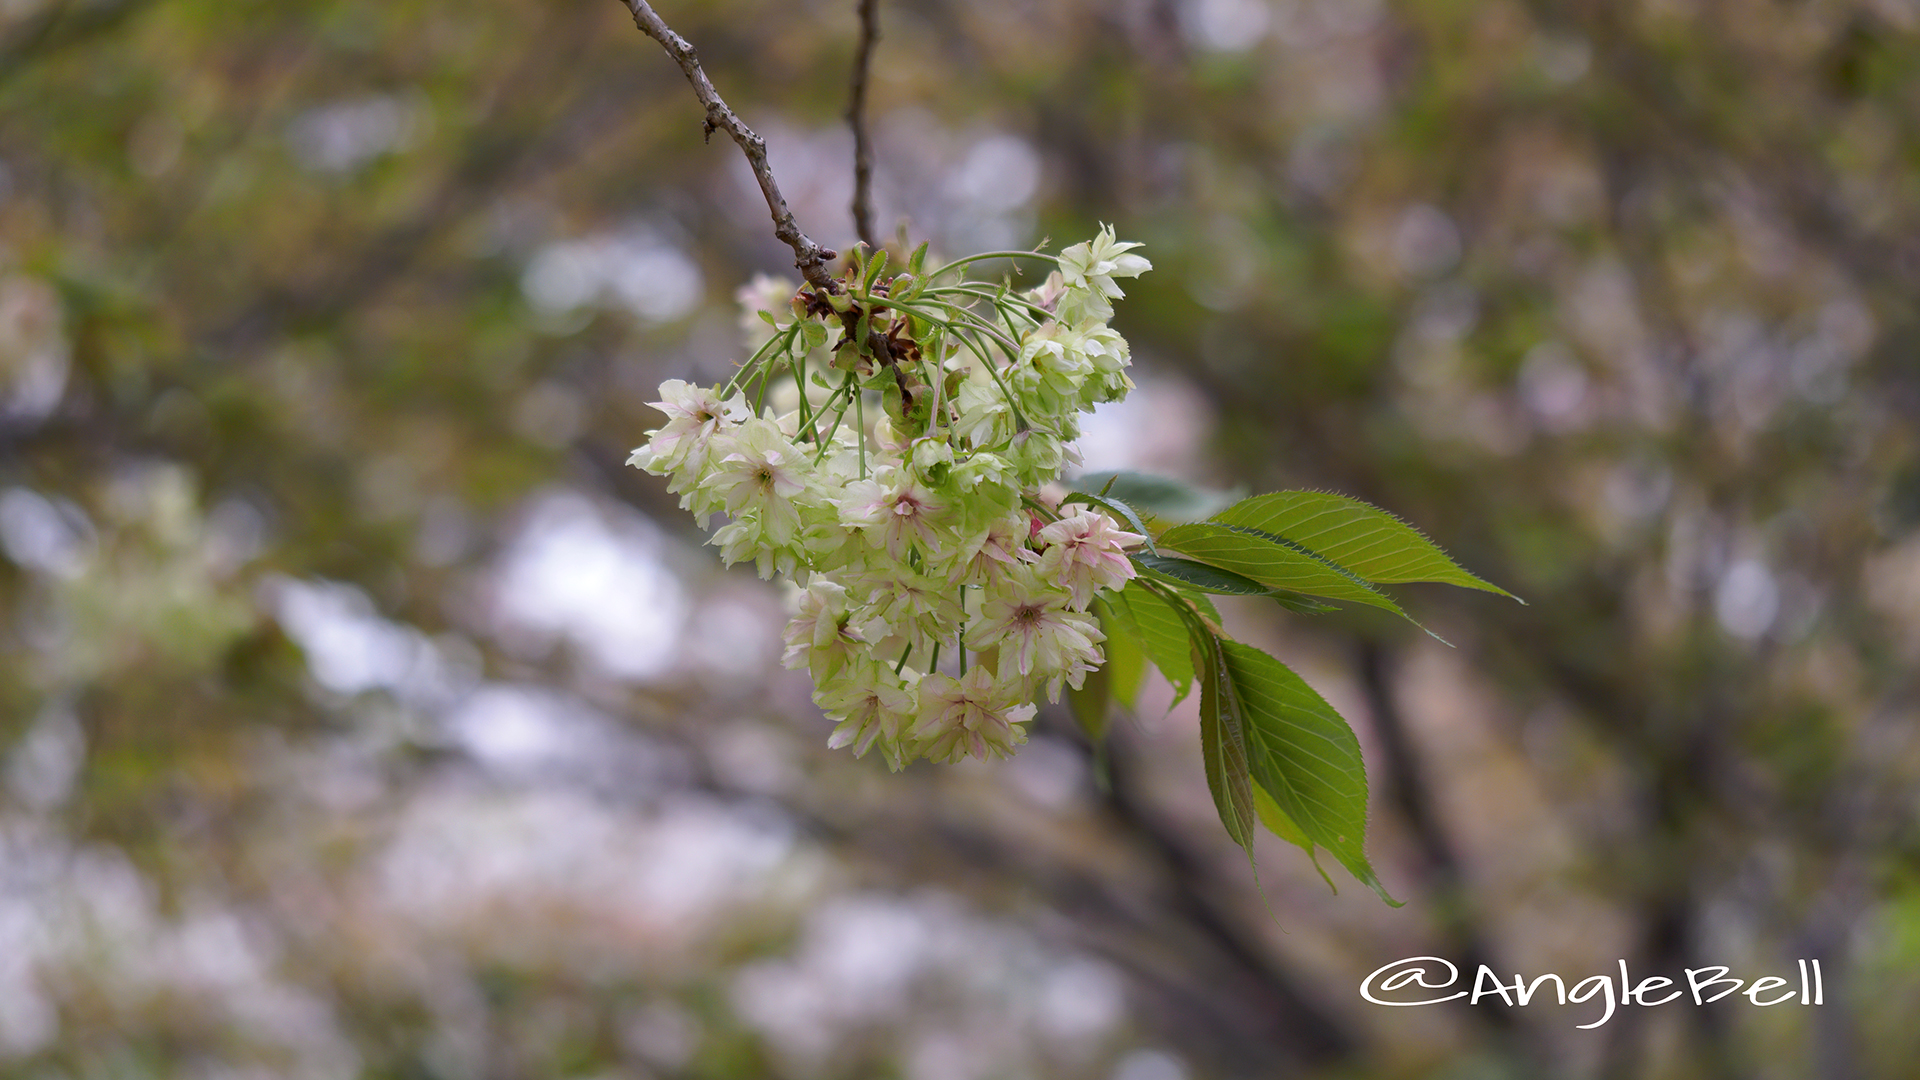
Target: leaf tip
[
  {"x": 1372, "y": 881},
  {"x": 1265, "y": 900}
]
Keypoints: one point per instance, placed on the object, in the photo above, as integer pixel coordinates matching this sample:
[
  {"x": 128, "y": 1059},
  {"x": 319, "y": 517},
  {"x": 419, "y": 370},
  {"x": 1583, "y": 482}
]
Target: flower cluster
[{"x": 896, "y": 478}]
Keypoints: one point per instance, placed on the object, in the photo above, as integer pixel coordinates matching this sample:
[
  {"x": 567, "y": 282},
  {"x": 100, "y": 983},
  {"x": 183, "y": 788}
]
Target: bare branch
[
  {"x": 808, "y": 257},
  {"x": 857, "y": 119}
]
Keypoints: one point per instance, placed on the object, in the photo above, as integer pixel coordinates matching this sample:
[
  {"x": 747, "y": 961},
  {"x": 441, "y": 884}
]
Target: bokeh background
[{"x": 362, "y": 716}]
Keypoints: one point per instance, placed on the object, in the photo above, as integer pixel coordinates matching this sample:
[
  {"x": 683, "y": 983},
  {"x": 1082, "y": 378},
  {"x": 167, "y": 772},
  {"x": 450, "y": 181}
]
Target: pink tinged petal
[{"x": 795, "y": 657}]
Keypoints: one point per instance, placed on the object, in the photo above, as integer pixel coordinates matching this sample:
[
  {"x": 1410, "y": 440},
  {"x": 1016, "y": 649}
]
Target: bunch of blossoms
[{"x": 891, "y": 464}]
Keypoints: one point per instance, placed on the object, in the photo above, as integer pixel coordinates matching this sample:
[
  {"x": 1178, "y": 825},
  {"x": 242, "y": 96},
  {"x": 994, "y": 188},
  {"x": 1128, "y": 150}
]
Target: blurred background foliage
[{"x": 361, "y": 716}]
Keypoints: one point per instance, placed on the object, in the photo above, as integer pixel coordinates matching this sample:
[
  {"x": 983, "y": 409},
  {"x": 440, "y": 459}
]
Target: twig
[
  {"x": 857, "y": 119},
  {"x": 808, "y": 257}
]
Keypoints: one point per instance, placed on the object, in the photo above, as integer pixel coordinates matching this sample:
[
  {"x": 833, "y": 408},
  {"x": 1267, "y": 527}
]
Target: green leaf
[
  {"x": 1365, "y": 539},
  {"x": 1282, "y": 826},
  {"x": 1199, "y": 575},
  {"x": 1223, "y": 743},
  {"x": 861, "y": 331},
  {"x": 1195, "y": 579},
  {"x": 1274, "y": 563},
  {"x": 1117, "y": 508},
  {"x": 1161, "y": 632},
  {"x": 1091, "y": 699},
  {"x": 1305, "y": 605},
  {"x": 1187, "y": 601},
  {"x": 917, "y": 262},
  {"x": 1184, "y": 591},
  {"x": 1157, "y": 495},
  {"x": 1199, "y": 602},
  {"x": 1126, "y": 664},
  {"x": 1303, "y": 754},
  {"x": 874, "y": 268}
]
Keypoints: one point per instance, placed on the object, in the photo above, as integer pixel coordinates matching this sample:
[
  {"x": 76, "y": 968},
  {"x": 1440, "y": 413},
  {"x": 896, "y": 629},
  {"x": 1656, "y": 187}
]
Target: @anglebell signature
[{"x": 1416, "y": 977}]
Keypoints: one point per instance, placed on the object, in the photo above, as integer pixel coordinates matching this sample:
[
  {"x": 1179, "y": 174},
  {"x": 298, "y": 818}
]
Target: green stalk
[
  {"x": 939, "y": 389},
  {"x": 982, "y": 294},
  {"x": 1004, "y": 392},
  {"x": 826, "y": 443},
  {"x": 1035, "y": 504},
  {"x": 786, "y": 334},
  {"x": 800, "y": 380},
  {"x": 955, "y": 264},
  {"x": 978, "y": 322}
]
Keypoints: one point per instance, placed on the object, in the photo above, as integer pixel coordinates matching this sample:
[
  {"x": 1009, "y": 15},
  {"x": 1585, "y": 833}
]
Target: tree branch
[
  {"x": 857, "y": 119},
  {"x": 1307, "y": 1034},
  {"x": 1453, "y": 898},
  {"x": 808, "y": 257}
]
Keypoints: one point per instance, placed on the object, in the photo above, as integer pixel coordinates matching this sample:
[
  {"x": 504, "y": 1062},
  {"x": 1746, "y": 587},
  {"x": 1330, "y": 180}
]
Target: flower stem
[
  {"x": 826, "y": 443},
  {"x": 1004, "y": 392},
  {"x": 785, "y": 336},
  {"x": 1045, "y": 511},
  {"x": 957, "y": 263},
  {"x": 1034, "y": 311},
  {"x": 800, "y": 380},
  {"x": 978, "y": 323}
]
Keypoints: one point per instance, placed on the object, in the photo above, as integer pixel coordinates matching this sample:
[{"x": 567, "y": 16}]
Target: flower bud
[
  {"x": 933, "y": 459},
  {"x": 1037, "y": 455}
]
